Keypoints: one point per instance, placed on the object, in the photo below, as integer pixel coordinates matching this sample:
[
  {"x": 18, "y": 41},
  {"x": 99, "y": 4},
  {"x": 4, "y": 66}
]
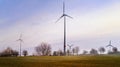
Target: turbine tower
[
  {"x": 110, "y": 46},
  {"x": 64, "y": 15},
  {"x": 20, "y": 40}
]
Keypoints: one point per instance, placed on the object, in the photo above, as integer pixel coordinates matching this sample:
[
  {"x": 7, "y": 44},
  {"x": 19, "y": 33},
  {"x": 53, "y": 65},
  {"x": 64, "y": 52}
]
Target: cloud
[{"x": 103, "y": 21}]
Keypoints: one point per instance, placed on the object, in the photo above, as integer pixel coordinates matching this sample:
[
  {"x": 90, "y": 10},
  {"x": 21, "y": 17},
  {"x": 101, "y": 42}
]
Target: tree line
[
  {"x": 45, "y": 49},
  {"x": 13, "y": 53}
]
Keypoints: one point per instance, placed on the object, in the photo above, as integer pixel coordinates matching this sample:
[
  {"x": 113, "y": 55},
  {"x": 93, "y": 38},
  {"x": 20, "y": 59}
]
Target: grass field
[{"x": 61, "y": 61}]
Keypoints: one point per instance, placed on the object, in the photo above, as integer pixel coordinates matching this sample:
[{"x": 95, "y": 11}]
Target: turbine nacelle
[
  {"x": 64, "y": 15},
  {"x": 67, "y": 16},
  {"x": 20, "y": 38}
]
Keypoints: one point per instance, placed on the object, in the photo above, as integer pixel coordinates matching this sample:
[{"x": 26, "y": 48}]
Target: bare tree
[
  {"x": 25, "y": 53},
  {"x": 73, "y": 51},
  {"x": 77, "y": 49},
  {"x": 60, "y": 52},
  {"x": 115, "y": 49},
  {"x": 15, "y": 53},
  {"x": 9, "y": 52},
  {"x": 68, "y": 52},
  {"x": 43, "y": 49},
  {"x": 55, "y": 53},
  {"x": 85, "y": 52},
  {"x": 101, "y": 50},
  {"x": 93, "y": 51}
]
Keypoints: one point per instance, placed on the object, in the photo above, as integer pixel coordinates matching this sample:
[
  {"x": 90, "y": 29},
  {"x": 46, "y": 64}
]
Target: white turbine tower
[
  {"x": 64, "y": 15},
  {"x": 20, "y": 40}
]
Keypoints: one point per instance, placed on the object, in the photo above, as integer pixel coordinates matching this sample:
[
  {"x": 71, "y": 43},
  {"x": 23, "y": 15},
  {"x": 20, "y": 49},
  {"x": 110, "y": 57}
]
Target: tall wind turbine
[
  {"x": 64, "y": 15},
  {"x": 110, "y": 46},
  {"x": 20, "y": 40}
]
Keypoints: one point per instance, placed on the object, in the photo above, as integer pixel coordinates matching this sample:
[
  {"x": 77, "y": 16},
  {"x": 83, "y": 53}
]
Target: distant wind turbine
[
  {"x": 70, "y": 46},
  {"x": 64, "y": 15},
  {"x": 110, "y": 46},
  {"x": 20, "y": 40}
]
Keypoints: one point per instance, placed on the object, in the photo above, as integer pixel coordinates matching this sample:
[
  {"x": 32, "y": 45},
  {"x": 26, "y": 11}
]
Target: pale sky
[{"x": 94, "y": 23}]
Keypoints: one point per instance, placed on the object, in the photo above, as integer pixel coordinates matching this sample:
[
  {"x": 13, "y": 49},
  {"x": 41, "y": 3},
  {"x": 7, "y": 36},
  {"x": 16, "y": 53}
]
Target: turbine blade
[
  {"x": 20, "y": 36},
  {"x": 110, "y": 42},
  {"x": 112, "y": 46},
  {"x": 22, "y": 41},
  {"x": 107, "y": 45},
  {"x": 69, "y": 16},
  {"x": 60, "y": 18},
  {"x": 63, "y": 7}
]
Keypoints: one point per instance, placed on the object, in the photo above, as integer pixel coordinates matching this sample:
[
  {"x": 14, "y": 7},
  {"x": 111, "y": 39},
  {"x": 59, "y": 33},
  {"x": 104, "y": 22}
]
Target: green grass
[{"x": 61, "y": 61}]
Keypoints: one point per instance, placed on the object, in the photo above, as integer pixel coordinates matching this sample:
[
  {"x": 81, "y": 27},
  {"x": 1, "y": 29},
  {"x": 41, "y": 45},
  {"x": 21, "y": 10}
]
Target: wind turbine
[
  {"x": 64, "y": 15},
  {"x": 110, "y": 46},
  {"x": 70, "y": 46},
  {"x": 20, "y": 40}
]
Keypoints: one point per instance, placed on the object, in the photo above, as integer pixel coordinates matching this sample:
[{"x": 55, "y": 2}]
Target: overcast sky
[{"x": 94, "y": 23}]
